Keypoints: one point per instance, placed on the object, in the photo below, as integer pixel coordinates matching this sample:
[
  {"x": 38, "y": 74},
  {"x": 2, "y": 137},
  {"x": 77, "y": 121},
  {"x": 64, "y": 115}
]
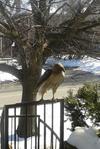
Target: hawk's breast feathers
[{"x": 51, "y": 79}]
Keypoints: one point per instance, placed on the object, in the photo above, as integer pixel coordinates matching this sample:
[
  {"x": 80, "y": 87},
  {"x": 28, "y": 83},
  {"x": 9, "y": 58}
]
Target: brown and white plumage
[{"x": 51, "y": 79}]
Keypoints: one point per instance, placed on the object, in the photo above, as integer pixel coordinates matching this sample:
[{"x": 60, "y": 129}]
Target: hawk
[{"x": 51, "y": 79}]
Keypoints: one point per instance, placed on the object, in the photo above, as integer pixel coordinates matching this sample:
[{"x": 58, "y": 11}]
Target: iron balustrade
[{"x": 9, "y": 124}]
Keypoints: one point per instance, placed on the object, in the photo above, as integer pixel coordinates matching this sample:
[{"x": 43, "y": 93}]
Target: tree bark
[{"x": 27, "y": 126}]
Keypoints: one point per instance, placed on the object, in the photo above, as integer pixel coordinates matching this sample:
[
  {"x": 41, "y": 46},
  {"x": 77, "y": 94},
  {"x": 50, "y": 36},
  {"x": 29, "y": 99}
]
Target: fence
[{"x": 48, "y": 123}]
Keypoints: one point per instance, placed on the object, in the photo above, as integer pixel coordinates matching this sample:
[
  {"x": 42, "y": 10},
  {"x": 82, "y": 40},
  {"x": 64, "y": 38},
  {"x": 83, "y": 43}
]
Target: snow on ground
[
  {"x": 66, "y": 62},
  {"x": 91, "y": 65},
  {"x": 86, "y": 64},
  {"x": 6, "y": 77},
  {"x": 84, "y": 138}
]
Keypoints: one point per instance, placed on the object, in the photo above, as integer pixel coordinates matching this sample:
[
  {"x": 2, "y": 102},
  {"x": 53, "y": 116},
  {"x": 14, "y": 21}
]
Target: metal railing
[{"x": 48, "y": 125}]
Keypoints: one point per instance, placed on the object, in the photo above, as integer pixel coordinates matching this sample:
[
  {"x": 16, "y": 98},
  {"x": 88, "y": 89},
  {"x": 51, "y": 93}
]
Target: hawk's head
[{"x": 58, "y": 68}]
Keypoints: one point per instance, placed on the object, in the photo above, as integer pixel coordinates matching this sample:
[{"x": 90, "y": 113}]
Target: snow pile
[
  {"x": 86, "y": 64},
  {"x": 65, "y": 61},
  {"x": 84, "y": 138},
  {"x": 6, "y": 77},
  {"x": 91, "y": 65},
  {"x": 9, "y": 77}
]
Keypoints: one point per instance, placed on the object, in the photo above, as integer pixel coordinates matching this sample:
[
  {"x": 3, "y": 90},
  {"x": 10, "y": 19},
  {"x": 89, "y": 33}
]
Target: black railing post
[
  {"x": 52, "y": 123},
  {"x": 62, "y": 124},
  {"x": 26, "y": 117},
  {"x": 2, "y": 130},
  {"x": 14, "y": 128},
  {"x": 44, "y": 126},
  {"x": 5, "y": 127},
  {"x": 36, "y": 127},
  {"x": 39, "y": 132}
]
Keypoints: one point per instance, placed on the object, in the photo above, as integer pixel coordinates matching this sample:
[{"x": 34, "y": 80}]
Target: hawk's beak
[{"x": 63, "y": 69}]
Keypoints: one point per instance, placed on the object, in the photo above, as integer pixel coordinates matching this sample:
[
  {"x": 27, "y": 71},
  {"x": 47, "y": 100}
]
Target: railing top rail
[
  {"x": 18, "y": 116},
  {"x": 32, "y": 103}
]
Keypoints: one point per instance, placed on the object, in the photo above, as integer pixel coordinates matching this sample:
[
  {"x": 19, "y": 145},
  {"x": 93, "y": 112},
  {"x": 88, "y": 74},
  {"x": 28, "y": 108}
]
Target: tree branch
[
  {"x": 10, "y": 22},
  {"x": 95, "y": 24},
  {"x": 56, "y": 11},
  {"x": 35, "y": 8},
  {"x": 16, "y": 8},
  {"x": 5, "y": 14},
  {"x": 55, "y": 2}
]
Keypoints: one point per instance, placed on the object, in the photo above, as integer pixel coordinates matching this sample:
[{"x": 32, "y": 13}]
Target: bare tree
[{"x": 66, "y": 26}]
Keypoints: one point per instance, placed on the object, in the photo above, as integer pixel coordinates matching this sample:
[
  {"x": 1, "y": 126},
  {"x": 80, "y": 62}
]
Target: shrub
[
  {"x": 84, "y": 105},
  {"x": 74, "y": 108},
  {"x": 88, "y": 92}
]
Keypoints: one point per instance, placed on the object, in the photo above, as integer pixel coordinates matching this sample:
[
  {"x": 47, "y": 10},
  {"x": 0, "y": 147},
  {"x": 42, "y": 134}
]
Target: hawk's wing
[{"x": 44, "y": 77}]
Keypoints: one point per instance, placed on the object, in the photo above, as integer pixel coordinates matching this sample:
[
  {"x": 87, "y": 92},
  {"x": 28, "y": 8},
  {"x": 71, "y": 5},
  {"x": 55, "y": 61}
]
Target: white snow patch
[
  {"x": 43, "y": 71},
  {"x": 6, "y": 77},
  {"x": 66, "y": 62},
  {"x": 86, "y": 64},
  {"x": 84, "y": 138},
  {"x": 91, "y": 65}
]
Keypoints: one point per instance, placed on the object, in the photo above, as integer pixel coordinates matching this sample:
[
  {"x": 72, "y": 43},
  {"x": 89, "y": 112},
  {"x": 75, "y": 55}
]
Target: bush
[
  {"x": 74, "y": 110},
  {"x": 84, "y": 105},
  {"x": 88, "y": 92}
]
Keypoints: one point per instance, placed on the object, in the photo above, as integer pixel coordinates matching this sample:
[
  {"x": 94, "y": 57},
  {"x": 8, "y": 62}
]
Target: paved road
[{"x": 10, "y": 96}]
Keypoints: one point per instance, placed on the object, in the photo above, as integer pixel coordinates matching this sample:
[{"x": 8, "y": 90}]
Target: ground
[{"x": 11, "y": 92}]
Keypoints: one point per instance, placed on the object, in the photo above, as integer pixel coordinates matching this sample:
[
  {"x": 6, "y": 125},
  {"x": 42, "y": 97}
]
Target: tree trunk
[{"x": 27, "y": 126}]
